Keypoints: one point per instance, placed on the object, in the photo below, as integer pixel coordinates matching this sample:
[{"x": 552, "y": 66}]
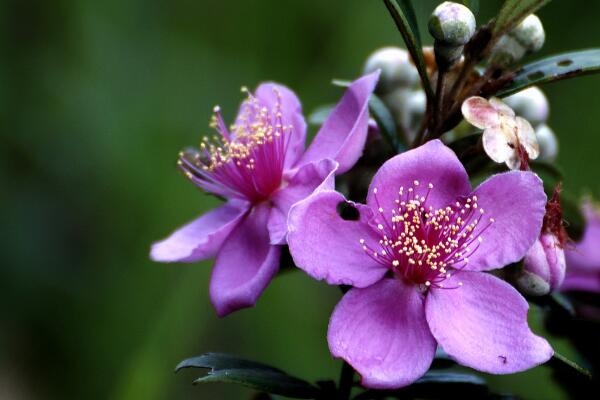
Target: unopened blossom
[
  {"x": 506, "y": 138},
  {"x": 397, "y": 70},
  {"x": 415, "y": 256},
  {"x": 583, "y": 260},
  {"x": 544, "y": 264},
  {"x": 260, "y": 166}
]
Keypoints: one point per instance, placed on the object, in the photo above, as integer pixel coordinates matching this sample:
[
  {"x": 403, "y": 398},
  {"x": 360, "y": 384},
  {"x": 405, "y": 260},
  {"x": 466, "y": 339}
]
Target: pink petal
[
  {"x": 432, "y": 163},
  {"x": 300, "y": 183},
  {"x": 496, "y": 140},
  {"x": 527, "y": 138},
  {"x": 516, "y": 202},
  {"x": 502, "y": 107},
  {"x": 245, "y": 264},
  {"x": 328, "y": 247},
  {"x": 483, "y": 325},
  {"x": 343, "y": 135},
  {"x": 479, "y": 112},
  {"x": 381, "y": 331},
  {"x": 201, "y": 238}
]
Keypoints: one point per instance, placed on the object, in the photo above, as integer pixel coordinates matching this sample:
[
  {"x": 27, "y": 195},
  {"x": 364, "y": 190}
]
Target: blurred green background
[{"x": 96, "y": 100}]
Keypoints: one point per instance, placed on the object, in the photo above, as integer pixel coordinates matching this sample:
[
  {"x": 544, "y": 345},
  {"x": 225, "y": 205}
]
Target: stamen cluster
[
  {"x": 422, "y": 245},
  {"x": 244, "y": 161}
]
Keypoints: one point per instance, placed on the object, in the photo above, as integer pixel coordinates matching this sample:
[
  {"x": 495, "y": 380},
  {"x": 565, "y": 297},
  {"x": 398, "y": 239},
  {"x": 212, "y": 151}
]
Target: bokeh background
[{"x": 96, "y": 100}]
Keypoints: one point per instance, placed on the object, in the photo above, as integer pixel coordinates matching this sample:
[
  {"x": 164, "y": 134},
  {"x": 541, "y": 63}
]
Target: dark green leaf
[
  {"x": 385, "y": 122},
  {"x": 230, "y": 369},
  {"x": 263, "y": 380},
  {"x": 558, "y": 361},
  {"x": 513, "y": 12},
  {"x": 472, "y": 4},
  {"x": 555, "y": 68},
  {"x": 217, "y": 361},
  {"x": 404, "y": 16}
]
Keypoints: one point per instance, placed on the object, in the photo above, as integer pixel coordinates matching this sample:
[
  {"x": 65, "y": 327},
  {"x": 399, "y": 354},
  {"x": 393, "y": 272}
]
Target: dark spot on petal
[
  {"x": 504, "y": 359},
  {"x": 564, "y": 63},
  {"x": 535, "y": 75},
  {"x": 347, "y": 211}
]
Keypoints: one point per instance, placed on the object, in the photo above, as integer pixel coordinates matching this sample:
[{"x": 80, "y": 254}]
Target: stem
[
  {"x": 346, "y": 381},
  {"x": 439, "y": 100}
]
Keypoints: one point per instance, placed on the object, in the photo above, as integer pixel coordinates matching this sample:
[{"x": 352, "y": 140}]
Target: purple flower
[
  {"x": 414, "y": 255},
  {"x": 261, "y": 167},
  {"x": 583, "y": 261}
]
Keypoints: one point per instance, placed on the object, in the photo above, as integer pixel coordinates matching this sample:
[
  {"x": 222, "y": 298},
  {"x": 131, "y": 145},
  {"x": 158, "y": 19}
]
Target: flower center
[
  {"x": 426, "y": 246},
  {"x": 245, "y": 161}
]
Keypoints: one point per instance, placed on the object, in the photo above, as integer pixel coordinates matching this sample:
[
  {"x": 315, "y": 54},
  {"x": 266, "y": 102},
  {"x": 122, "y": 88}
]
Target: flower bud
[
  {"x": 525, "y": 38},
  {"x": 544, "y": 267},
  {"x": 396, "y": 69},
  {"x": 407, "y": 106},
  {"x": 452, "y": 25},
  {"x": 530, "y": 104},
  {"x": 548, "y": 143}
]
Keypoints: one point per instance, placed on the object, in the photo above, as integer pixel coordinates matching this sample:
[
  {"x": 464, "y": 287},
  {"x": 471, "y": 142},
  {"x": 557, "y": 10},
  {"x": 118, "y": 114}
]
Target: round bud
[
  {"x": 452, "y": 23},
  {"x": 407, "y": 106},
  {"x": 530, "y": 33},
  {"x": 525, "y": 38},
  {"x": 530, "y": 104},
  {"x": 396, "y": 69},
  {"x": 548, "y": 143}
]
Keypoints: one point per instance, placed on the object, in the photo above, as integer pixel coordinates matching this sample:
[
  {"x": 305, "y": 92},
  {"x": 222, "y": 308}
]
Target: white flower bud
[
  {"x": 530, "y": 33},
  {"x": 548, "y": 143},
  {"x": 530, "y": 104},
  {"x": 525, "y": 38},
  {"x": 396, "y": 69},
  {"x": 407, "y": 106},
  {"x": 452, "y": 24}
]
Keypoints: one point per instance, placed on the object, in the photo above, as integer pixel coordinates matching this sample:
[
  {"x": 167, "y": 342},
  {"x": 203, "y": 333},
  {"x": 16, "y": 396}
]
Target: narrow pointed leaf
[
  {"x": 227, "y": 368},
  {"x": 404, "y": 16},
  {"x": 217, "y": 361},
  {"x": 263, "y": 380},
  {"x": 513, "y": 12},
  {"x": 552, "y": 69},
  {"x": 385, "y": 122}
]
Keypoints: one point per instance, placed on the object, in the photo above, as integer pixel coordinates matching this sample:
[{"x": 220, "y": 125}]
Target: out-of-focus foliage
[{"x": 97, "y": 98}]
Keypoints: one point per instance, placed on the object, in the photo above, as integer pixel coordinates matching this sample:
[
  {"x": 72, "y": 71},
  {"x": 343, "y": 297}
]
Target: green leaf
[
  {"x": 227, "y": 368},
  {"x": 552, "y": 69},
  {"x": 386, "y": 123},
  {"x": 560, "y": 361},
  {"x": 404, "y": 16},
  {"x": 513, "y": 12}
]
